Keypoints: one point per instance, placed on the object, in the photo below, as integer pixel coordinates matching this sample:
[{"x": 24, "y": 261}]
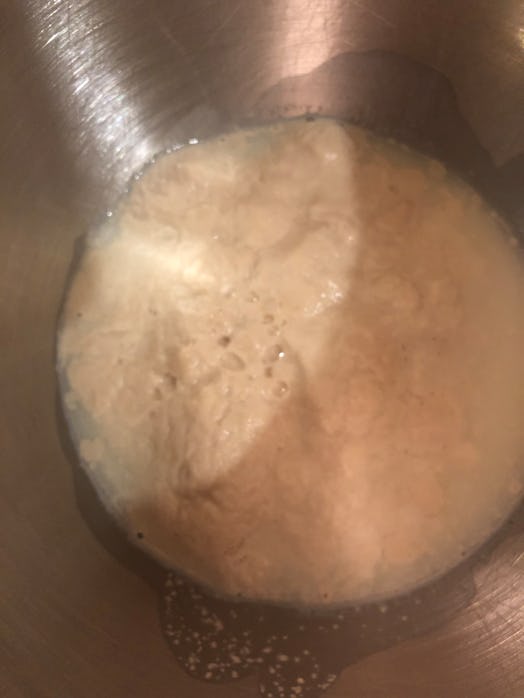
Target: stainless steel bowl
[{"x": 90, "y": 91}]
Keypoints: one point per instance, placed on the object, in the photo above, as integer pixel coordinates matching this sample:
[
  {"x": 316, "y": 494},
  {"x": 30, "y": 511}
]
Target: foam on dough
[{"x": 291, "y": 360}]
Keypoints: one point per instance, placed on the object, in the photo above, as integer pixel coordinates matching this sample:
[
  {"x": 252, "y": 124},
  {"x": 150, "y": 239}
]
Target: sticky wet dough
[{"x": 291, "y": 362}]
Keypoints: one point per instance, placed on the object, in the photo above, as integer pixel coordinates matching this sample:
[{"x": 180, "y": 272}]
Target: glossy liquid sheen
[{"x": 292, "y": 364}]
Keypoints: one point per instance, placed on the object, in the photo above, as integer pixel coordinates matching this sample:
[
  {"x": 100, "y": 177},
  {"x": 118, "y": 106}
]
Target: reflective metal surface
[{"x": 89, "y": 91}]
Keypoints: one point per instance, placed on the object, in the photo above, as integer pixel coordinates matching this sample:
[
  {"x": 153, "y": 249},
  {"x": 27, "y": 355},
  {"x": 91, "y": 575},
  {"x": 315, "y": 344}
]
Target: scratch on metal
[{"x": 370, "y": 11}]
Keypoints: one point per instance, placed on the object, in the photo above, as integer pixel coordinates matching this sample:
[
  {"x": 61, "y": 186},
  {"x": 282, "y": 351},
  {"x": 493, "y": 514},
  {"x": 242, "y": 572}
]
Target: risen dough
[{"x": 291, "y": 361}]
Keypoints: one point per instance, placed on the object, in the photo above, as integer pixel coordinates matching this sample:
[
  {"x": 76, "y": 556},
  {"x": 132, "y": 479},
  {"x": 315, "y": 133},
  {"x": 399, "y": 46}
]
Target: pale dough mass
[{"x": 291, "y": 361}]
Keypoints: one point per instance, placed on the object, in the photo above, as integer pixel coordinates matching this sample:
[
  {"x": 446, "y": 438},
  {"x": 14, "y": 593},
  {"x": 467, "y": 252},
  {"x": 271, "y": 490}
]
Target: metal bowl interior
[{"x": 91, "y": 91}]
